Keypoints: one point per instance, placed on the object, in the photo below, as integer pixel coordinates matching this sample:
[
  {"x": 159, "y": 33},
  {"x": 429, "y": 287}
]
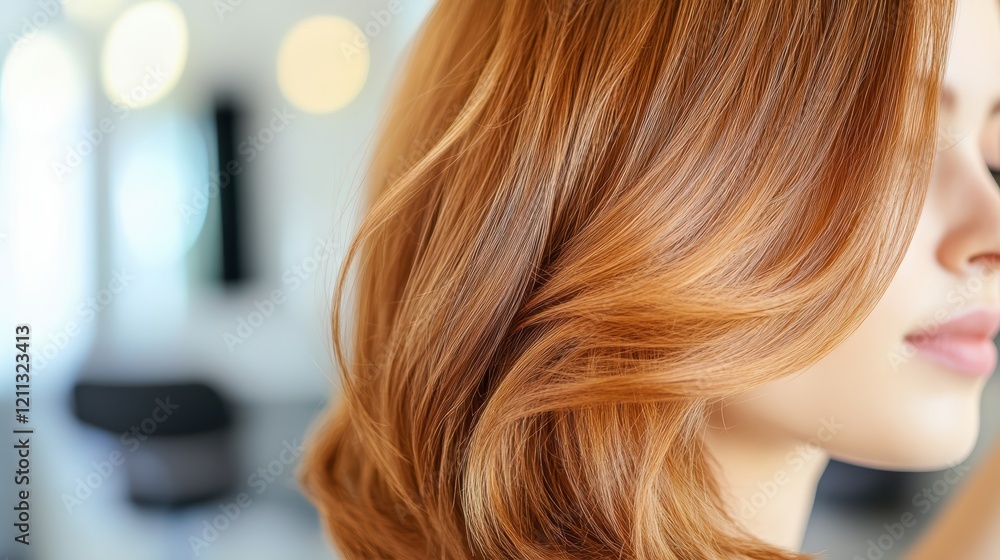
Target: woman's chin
[{"x": 916, "y": 451}]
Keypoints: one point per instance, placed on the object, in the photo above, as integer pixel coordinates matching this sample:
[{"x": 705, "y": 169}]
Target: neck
[{"x": 769, "y": 480}]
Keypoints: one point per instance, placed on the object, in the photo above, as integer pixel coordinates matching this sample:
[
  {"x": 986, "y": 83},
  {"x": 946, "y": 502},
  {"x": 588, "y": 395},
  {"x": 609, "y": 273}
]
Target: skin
[{"x": 870, "y": 402}]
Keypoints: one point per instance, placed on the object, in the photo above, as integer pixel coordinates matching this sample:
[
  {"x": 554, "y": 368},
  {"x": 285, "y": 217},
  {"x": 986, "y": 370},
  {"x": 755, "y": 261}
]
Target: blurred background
[{"x": 178, "y": 184}]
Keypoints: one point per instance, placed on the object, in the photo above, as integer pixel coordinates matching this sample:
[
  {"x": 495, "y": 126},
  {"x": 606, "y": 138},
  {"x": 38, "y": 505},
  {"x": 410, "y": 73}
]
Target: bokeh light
[
  {"x": 144, "y": 53},
  {"x": 160, "y": 188},
  {"x": 41, "y": 85},
  {"x": 323, "y": 64},
  {"x": 93, "y": 13}
]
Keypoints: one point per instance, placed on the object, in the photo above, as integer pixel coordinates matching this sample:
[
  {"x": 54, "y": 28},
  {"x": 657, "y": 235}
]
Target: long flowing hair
[{"x": 588, "y": 223}]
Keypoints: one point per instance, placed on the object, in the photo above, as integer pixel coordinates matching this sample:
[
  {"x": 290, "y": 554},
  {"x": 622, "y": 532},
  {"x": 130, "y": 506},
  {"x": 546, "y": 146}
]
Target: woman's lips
[{"x": 964, "y": 344}]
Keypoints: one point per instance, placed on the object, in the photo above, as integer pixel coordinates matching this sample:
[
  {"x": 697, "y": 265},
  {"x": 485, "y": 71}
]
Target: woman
[{"x": 623, "y": 259}]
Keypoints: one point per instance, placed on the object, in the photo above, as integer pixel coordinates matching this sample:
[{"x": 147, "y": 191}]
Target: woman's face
[{"x": 877, "y": 400}]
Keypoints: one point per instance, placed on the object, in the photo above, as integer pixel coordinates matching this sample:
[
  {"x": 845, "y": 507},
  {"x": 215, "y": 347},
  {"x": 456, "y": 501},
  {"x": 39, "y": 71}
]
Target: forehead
[{"x": 973, "y": 70}]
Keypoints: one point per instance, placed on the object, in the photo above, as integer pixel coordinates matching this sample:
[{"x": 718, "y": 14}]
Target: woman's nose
[{"x": 967, "y": 197}]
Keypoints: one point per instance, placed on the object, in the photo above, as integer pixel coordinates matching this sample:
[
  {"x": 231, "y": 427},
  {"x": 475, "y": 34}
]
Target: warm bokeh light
[
  {"x": 144, "y": 53},
  {"x": 323, "y": 64},
  {"x": 91, "y": 12}
]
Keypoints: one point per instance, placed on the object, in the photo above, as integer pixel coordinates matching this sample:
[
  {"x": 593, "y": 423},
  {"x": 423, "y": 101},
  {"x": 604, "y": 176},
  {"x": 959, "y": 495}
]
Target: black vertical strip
[{"x": 230, "y": 195}]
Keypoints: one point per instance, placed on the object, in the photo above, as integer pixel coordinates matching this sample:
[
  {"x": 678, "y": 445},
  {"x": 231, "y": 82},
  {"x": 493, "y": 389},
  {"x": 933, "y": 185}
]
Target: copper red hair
[{"x": 589, "y": 222}]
